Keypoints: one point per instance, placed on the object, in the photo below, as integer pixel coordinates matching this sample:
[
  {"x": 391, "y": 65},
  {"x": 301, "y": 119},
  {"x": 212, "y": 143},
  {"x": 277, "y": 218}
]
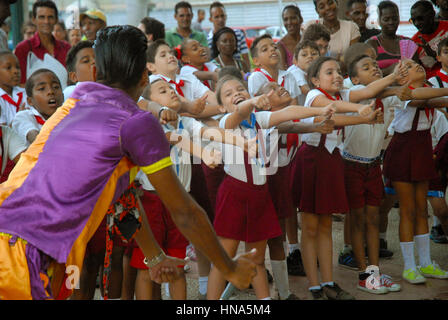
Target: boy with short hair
[
  {"x": 266, "y": 57},
  {"x": 320, "y": 35},
  {"x": 79, "y": 62},
  {"x": 305, "y": 53}
]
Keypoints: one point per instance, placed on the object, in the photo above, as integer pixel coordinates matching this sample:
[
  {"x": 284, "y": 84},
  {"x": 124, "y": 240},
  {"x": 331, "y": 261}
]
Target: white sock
[
  {"x": 314, "y": 288},
  {"x": 203, "y": 281},
  {"x": 285, "y": 248},
  {"x": 267, "y": 298},
  {"x": 383, "y": 235},
  {"x": 292, "y": 247},
  {"x": 407, "y": 250},
  {"x": 330, "y": 283},
  {"x": 435, "y": 221},
  {"x": 422, "y": 245},
  {"x": 280, "y": 275}
]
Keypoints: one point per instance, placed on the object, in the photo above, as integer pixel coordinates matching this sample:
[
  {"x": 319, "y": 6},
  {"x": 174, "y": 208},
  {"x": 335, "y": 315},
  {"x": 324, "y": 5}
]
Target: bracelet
[
  {"x": 161, "y": 109},
  {"x": 155, "y": 260}
]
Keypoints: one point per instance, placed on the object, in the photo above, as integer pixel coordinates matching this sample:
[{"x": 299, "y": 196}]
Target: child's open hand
[
  {"x": 328, "y": 111},
  {"x": 366, "y": 109},
  {"x": 400, "y": 71},
  {"x": 404, "y": 93},
  {"x": 212, "y": 159},
  {"x": 263, "y": 102},
  {"x": 199, "y": 105},
  {"x": 376, "y": 116},
  {"x": 326, "y": 126},
  {"x": 167, "y": 115}
]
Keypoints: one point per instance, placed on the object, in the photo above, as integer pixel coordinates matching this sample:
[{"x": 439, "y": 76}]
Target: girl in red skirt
[
  {"x": 409, "y": 164},
  {"x": 244, "y": 209},
  {"x": 320, "y": 172}
]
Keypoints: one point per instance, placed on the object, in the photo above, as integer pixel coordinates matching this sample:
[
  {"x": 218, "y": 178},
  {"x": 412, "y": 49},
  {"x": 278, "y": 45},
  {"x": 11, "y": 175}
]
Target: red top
[
  {"x": 433, "y": 40},
  {"x": 60, "y": 52}
]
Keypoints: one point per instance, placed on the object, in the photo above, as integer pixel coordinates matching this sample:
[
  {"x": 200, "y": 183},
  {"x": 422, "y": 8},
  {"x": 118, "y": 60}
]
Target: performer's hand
[
  {"x": 245, "y": 270},
  {"x": 167, "y": 270}
]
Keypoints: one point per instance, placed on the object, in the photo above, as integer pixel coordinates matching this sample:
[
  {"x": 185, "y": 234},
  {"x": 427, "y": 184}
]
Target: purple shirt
[{"x": 78, "y": 165}]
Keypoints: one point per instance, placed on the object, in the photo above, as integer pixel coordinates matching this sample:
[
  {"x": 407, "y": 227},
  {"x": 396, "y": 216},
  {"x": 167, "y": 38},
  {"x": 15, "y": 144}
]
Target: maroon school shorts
[
  {"x": 364, "y": 184},
  {"x": 169, "y": 238}
]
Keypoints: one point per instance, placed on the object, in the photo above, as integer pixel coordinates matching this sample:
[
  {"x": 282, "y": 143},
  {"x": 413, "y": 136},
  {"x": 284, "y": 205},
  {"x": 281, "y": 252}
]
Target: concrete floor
[{"x": 347, "y": 279}]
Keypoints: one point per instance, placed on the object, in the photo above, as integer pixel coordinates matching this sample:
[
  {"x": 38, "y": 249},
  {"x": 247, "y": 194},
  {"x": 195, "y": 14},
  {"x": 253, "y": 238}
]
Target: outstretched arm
[{"x": 194, "y": 224}]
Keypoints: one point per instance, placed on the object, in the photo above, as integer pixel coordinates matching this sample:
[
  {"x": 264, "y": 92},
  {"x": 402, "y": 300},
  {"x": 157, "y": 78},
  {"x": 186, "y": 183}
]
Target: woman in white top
[{"x": 343, "y": 33}]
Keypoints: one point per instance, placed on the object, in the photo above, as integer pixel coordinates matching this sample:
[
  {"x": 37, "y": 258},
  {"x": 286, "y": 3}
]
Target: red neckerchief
[
  {"x": 269, "y": 77},
  {"x": 427, "y": 110},
  {"x": 379, "y": 104},
  {"x": 204, "y": 68},
  {"x": 179, "y": 86},
  {"x": 338, "y": 97},
  {"x": 40, "y": 120},
  {"x": 16, "y": 104},
  {"x": 442, "y": 76}
]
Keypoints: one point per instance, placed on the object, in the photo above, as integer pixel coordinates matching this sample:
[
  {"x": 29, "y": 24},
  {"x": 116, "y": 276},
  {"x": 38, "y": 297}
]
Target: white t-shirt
[
  {"x": 404, "y": 117},
  {"x": 233, "y": 156},
  {"x": 257, "y": 79},
  {"x": 340, "y": 41},
  {"x": 190, "y": 70},
  {"x": 334, "y": 139},
  {"x": 300, "y": 77},
  {"x": 439, "y": 127},
  {"x": 364, "y": 142},
  {"x": 9, "y": 110},
  {"x": 192, "y": 88},
  {"x": 180, "y": 158}
]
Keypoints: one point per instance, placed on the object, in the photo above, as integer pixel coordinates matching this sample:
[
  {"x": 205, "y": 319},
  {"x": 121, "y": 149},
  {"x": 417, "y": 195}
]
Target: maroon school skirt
[
  {"x": 408, "y": 157},
  {"x": 245, "y": 212},
  {"x": 198, "y": 189},
  {"x": 321, "y": 178},
  {"x": 294, "y": 183},
  {"x": 213, "y": 179},
  {"x": 279, "y": 189}
]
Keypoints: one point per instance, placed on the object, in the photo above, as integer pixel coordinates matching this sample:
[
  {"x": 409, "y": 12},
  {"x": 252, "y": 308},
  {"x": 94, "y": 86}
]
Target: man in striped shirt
[{"x": 218, "y": 17}]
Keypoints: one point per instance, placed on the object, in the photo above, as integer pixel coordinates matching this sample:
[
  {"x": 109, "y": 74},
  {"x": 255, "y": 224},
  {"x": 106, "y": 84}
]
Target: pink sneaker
[{"x": 387, "y": 282}]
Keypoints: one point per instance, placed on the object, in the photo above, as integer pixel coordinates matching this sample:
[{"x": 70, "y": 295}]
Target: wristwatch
[{"x": 155, "y": 260}]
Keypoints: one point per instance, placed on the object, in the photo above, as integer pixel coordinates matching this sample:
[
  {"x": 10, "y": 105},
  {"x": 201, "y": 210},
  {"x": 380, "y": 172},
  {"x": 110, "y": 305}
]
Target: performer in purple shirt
[{"x": 80, "y": 163}]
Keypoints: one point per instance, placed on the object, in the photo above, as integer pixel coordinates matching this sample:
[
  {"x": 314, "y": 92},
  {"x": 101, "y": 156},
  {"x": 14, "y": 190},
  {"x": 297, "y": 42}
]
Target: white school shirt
[
  {"x": 8, "y": 110},
  {"x": 300, "y": 77},
  {"x": 439, "y": 127},
  {"x": 404, "y": 116},
  {"x": 436, "y": 84},
  {"x": 257, "y": 79},
  {"x": 233, "y": 156},
  {"x": 190, "y": 70},
  {"x": 24, "y": 122},
  {"x": 285, "y": 157},
  {"x": 192, "y": 88},
  {"x": 333, "y": 139},
  {"x": 364, "y": 142},
  {"x": 180, "y": 158}
]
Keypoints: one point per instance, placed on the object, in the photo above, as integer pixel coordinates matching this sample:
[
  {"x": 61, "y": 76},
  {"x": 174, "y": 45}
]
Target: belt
[{"x": 369, "y": 165}]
